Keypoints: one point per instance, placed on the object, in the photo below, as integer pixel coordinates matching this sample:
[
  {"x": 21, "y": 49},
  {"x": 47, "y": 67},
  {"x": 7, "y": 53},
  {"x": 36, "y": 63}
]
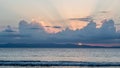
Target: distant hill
[{"x": 49, "y": 45}]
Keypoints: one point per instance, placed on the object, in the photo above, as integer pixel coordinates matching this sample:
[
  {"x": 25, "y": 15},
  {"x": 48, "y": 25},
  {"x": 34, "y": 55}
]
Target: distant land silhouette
[{"x": 49, "y": 45}]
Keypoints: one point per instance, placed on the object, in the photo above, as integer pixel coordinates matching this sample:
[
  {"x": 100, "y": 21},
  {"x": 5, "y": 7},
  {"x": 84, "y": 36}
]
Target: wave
[{"x": 56, "y": 63}]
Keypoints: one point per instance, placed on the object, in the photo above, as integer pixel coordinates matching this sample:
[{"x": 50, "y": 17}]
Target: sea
[{"x": 59, "y": 58}]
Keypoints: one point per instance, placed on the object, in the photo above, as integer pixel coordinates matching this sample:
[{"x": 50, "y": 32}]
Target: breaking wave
[{"x": 56, "y": 63}]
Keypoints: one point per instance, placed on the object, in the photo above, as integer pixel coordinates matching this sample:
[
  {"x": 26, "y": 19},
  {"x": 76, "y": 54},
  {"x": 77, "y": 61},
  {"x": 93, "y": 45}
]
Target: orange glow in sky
[{"x": 52, "y": 11}]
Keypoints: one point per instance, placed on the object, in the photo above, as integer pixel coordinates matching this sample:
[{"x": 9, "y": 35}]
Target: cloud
[
  {"x": 48, "y": 26},
  {"x": 87, "y": 19},
  {"x": 58, "y": 27},
  {"x": 104, "y": 11},
  {"x": 117, "y": 24},
  {"x": 91, "y": 34},
  {"x": 28, "y": 28},
  {"x": 35, "y": 33},
  {"x": 8, "y": 29},
  {"x": 9, "y": 32}
]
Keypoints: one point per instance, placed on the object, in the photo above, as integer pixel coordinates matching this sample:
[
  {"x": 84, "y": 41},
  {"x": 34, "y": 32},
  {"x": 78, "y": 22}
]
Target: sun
[{"x": 80, "y": 44}]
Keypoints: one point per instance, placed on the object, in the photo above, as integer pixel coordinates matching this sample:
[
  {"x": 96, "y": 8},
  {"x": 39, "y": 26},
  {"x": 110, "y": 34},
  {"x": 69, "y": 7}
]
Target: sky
[
  {"x": 56, "y": 11},
  {"x": 60, "y": 17}
]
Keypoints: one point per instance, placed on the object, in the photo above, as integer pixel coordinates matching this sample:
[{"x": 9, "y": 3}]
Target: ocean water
[{"x": 60, "y": 58}]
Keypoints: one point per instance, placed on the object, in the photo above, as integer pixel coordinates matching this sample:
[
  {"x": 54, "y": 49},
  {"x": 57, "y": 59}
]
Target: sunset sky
[
  {"x": 86, "y": 21},
  {"x": 58, "y": 12}
]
